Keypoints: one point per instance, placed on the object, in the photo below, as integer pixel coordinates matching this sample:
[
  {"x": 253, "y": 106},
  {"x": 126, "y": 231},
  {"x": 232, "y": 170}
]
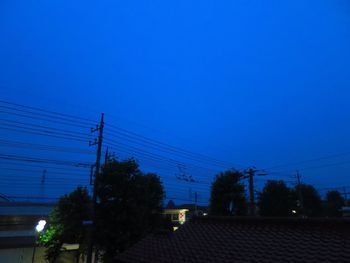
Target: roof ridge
[{"x": 273, "y": 220}]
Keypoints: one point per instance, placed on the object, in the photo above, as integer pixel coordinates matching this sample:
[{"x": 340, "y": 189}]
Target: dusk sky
[{"x": 263, "y": 83}]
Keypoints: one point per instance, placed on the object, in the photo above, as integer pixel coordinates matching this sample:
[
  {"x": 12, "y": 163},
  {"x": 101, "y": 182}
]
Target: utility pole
[
  {"x": 300, "y": 194},
  {"x": 43, "y": 177},
  {"x": 250, "y": 173},
  {"x": 42, "y": 184},
  {"x": 98, "y": 128}
]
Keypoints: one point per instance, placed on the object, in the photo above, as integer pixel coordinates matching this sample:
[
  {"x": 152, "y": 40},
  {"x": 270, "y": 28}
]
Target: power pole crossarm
[{"x": 250, "y": 173}]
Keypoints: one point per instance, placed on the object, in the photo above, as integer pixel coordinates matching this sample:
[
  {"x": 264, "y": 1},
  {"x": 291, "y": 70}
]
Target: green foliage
[
  {"x": 227, "y": 195},
  {"x": 334, "y": 203},
  {"x": 276, "y": 199},
  {"x": 129, "y": 206},
  {"x": 65, "y": 223}
]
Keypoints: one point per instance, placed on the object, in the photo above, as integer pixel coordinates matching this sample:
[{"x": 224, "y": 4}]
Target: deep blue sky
[{"x": 250, "y": 82}]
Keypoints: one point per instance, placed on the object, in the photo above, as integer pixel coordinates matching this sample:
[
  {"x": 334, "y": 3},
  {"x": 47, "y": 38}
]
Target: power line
[
  {"x": 158, "y": 163},
  {"x": 150, "y": 145},
  {"x": 327, "y": 157},
  {"x": 163, "y": 146},
  {"x": 46, "y": 127},
  {"x": 40, "y": 170},
  {"x": 49, "y": 134},
  {"x": 46, "y": 111},
  {"x": 167, "y": 147},
  {"x": 57, "y": 185},
  {"x": 33, "y": 146},
  {"x": 42, "y": 160},
  {"x": 38, "y": 117},
  {"x": 326, "y": 165},
  {"x": 32, "y": 197},
  {"x": 158, "y": 160},
  {"x": 154, "y": 155},
  {"x": 45, "y": 131},
  {"x": 225, "y": 163},
  {"x": 46, "y": 166}
]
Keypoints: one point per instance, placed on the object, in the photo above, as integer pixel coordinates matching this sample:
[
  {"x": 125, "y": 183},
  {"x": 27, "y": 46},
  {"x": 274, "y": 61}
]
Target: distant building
[
  {"x": 18, "y": 235},
  {"x": 182, "y": 213},
  {"x": 17, "y": 230},
  {"x": 194, "y": 210},
  {"x": 176, "y": 215}
]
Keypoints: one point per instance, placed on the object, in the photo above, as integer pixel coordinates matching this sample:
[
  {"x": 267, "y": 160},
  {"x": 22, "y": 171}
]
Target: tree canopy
[
  {"x": 227, "y": 195},
  {"x": 66, "y": 223},
  {"x": 276, "y": 199},
  {"x": 334, "y": 203},
  {"x": 312, "y": 204},
  {"x": 129, "y": 206}
]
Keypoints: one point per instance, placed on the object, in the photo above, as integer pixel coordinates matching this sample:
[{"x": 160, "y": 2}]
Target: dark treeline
[
  {"x": 228, "y": 197},
  {"x": 129, "y": 206}
]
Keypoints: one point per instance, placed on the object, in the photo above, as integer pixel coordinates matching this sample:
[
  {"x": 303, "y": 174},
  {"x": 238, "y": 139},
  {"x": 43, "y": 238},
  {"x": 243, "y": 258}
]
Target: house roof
[
  {"x": 213, "y": 239},
  {"x": 174, "y": 210}
]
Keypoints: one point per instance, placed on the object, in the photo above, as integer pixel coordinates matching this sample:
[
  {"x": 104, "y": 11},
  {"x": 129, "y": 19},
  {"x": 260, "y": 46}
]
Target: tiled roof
[{"x": 246, "y": 240}]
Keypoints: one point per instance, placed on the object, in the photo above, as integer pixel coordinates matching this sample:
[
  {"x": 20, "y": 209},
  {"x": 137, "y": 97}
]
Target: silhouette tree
[
  {"x": 312, "y": 204},
  {"x": 276, "y": 199},
  {"x": 334, "y": 203},
  {"x": 66, "y": 224},
  {"x": 129, "y": 206},
  {"x": 227, "y": 195}
]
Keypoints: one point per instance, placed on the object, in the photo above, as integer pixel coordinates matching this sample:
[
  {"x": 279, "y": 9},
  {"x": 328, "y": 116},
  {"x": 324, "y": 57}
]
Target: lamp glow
[{"x": 40, "y": 226}]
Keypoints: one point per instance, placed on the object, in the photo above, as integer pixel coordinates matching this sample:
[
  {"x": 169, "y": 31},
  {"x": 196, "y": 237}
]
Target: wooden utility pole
[
  {"x": 99, "y": 128},
  {"x": 42, "y": 184},
  {"x": 250, "y": 173}
]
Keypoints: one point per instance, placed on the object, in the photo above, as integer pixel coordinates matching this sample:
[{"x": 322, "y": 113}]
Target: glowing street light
[{"x": 40, "y": 226}]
